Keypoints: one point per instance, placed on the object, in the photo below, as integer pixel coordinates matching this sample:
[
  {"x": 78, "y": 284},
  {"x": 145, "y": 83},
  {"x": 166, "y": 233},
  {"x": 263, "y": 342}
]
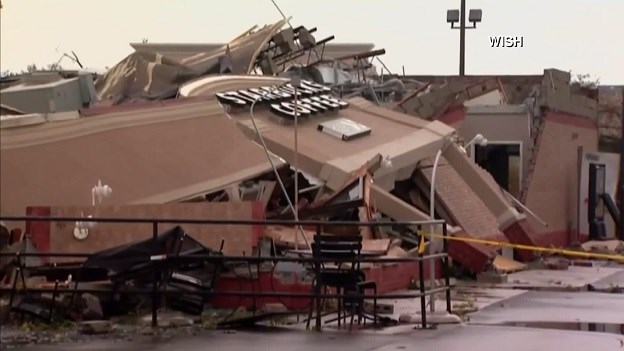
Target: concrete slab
[
  {"x": 575, "y": 278},
  {"x": 613, "y": 281},
  {"x": 436, "y": 317},
  {"x": 464, "y": 299},
  {"x": 448, "y": 338},
  {"x": 482, "y": 297},
  {"x": 554, "y": 307}
]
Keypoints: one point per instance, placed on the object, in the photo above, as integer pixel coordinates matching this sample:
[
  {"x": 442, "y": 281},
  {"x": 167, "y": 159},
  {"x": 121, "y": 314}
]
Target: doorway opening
[{"x": 503, "y": 160}]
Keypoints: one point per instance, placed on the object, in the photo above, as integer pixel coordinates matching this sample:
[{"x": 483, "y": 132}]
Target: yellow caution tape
[
  {"x": 548, "y": 250},
  {"x": 421, "y": 245}
]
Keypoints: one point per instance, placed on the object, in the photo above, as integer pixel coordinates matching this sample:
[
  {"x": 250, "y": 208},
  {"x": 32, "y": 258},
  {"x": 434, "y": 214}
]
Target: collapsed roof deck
[
  {"x": 147, "y": 155},
  {"x": 194, "y": 135},
  {"x": 198, "y": 72},
  {"x": 404, "y": 140}
]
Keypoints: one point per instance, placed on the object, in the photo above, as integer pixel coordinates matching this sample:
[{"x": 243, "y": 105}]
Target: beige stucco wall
[
  {"x": 553, "y": 190},
  {"x": 500, "y": 123}
]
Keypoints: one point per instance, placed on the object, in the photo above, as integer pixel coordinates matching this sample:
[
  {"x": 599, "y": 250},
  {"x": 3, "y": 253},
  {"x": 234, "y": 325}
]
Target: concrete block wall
[
  {"x": 558, "y": 94},
  {"x": 436, "y": 101}
]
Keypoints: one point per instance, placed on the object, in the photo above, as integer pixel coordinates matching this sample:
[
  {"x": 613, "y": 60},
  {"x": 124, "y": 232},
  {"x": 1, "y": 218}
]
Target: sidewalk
[{"x": 446, "y": 338}]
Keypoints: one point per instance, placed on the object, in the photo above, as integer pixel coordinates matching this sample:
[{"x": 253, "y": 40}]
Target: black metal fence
[{"x": 157, "y": 260}]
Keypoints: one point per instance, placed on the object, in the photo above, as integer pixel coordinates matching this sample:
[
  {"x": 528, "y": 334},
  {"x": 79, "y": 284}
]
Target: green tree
[
  {"x": 54, "y": 67},
  {"x": 50, "y": 67},
  {"x": 585, "y": 80},
  {"x": 31, "y": 68}
]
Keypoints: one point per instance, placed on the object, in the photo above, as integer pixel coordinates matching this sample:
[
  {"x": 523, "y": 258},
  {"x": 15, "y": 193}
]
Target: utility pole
[
  {"x": 296, "y": 83},
  {"x": 454, "y": 16},
  {"x": 621, "y": 177},
  {"x": 462, "y": 39}
]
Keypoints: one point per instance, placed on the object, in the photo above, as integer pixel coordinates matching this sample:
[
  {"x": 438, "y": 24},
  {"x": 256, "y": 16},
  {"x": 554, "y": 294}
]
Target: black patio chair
[{"x": 346, "y": 278}]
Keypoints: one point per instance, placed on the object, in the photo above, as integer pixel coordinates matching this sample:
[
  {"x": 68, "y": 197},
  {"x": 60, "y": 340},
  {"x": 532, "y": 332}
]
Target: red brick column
[{"x": 521, "y": 232}]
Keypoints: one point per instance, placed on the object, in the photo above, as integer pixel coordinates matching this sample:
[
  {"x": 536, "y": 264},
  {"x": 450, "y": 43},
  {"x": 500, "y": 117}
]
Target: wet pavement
[
  {"x": 554, "y": 307},
  {"x": 507, "y": 312},
  {"x": 575, "y": 278},
  {"x": 451, "y": 338}
]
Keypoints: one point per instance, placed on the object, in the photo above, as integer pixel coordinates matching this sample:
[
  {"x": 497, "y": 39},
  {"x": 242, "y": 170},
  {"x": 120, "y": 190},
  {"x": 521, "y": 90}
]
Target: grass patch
[{"x": 37, "y": 325}]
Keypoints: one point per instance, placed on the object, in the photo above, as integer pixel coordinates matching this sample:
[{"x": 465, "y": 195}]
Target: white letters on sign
[{"x": 312, "y": 99}]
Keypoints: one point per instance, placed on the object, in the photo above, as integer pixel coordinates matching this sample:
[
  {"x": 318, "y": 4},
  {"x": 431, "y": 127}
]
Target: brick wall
[{"x": 466, "y": 208}]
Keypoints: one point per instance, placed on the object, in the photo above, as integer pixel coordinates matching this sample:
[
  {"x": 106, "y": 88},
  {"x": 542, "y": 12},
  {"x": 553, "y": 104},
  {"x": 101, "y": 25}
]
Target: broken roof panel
[
  {"x": 144, "y": 75},
  {"x": 181, "y": 51},
  {"x": 402, "y": 138},
  {"x": 148, "y": 156},
  {"x": 243, "y": 51},
  {"x": 151, "y": 75},
  {"x": 332, "y": 159}
]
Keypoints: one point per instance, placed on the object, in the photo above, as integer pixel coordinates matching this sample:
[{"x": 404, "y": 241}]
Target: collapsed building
[
  {"x": 207, "y": 131},
  {"x": 528, "y": 122}
]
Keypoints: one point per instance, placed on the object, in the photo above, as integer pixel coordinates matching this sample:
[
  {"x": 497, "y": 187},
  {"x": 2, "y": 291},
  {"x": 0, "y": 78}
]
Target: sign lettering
[{"x": 312, "y": 99}]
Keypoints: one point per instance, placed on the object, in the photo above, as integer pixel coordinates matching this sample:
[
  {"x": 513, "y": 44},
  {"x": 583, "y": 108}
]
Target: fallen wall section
[{"x": 59, "y": 236}]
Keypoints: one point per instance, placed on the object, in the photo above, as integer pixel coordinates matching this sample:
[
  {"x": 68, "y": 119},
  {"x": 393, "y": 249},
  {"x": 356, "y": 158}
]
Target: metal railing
[{"x": 156, "y": 261}]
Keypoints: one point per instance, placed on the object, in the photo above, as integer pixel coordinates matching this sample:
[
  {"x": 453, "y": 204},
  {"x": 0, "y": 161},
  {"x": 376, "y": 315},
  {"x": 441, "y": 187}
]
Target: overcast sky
[{"x": 585, "y": 36}]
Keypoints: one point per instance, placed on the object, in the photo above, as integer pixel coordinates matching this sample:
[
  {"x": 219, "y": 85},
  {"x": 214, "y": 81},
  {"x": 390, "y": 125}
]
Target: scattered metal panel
[{"x": 344, "y": 129}]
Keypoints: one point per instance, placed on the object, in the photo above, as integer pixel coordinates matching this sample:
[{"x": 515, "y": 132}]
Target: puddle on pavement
[{"x": 593, "y": 327}]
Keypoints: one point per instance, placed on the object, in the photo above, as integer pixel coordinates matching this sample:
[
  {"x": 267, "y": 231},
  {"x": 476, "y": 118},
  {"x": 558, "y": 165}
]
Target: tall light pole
[
  {"x": 454, "y": 16},
  {"x": 296, "y": 83},
  {"x": 621, "y": 178},
  {"x": 432, "y": 228}
]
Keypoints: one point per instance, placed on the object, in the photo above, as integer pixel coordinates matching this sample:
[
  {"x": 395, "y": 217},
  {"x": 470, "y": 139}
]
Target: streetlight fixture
[
  {"x": 446, "y": 143},
  {"x": 454, "y": 16},
  {"x": 100, "y": 192},
  {"x": 479, "y": 139},
  {"x": 386, "y": 162}
]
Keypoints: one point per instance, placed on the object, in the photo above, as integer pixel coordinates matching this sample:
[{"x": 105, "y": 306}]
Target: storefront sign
[{"x": 312, "y": 98}]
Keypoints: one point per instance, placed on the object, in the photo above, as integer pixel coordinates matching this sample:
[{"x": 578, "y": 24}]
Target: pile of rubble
[
  {"x": 45, "y": 289},
  {"x": 113, "y": 275},
  {"x": 382, "y": 173}
]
